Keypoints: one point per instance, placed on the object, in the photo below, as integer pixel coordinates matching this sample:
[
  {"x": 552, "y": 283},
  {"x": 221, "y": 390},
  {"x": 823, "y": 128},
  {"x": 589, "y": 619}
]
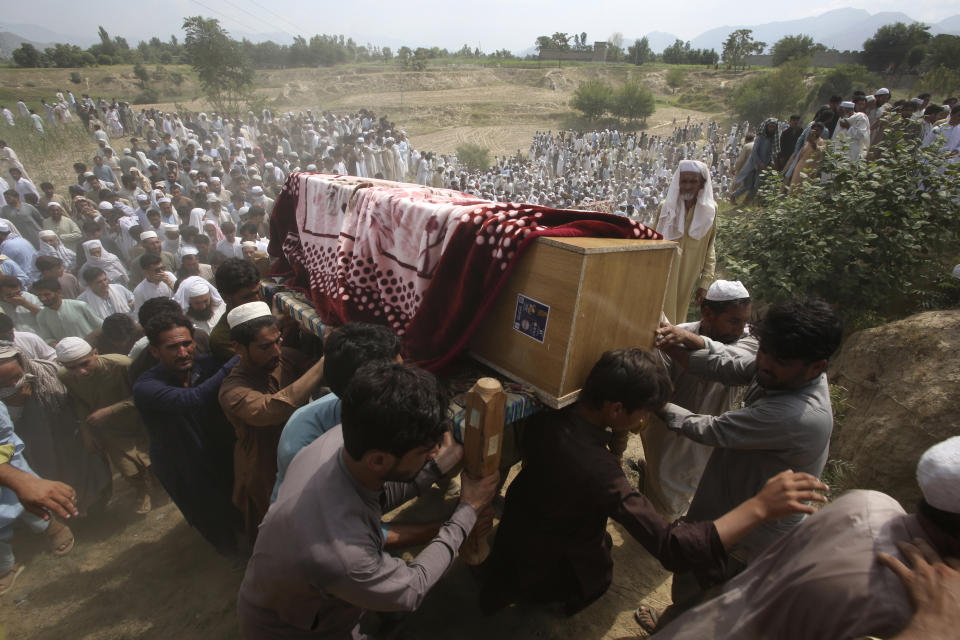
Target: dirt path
[{"x": 154, "y": 577}]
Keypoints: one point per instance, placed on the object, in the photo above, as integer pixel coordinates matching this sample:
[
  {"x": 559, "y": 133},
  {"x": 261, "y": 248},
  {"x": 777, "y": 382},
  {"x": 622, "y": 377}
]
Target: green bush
[
  {"x": 592, "y": 98},
  {"x": 75, "y": 77},
  {"x": 147, "y": 96},
  {"x": 633, "y": 102},
  {"x": 878, "y": 239},
  {"x": 475, "y": 157},
  {"x": 775, "y": 94},
  {"x": 676, "y": 77},
  {"x": 842, "y": 81}
]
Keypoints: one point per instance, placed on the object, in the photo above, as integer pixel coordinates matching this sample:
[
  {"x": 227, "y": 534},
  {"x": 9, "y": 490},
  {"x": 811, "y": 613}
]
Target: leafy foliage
[
  {"x": 943, "y": 51},
  {"x": 675, "y": 78},
  {"x": 778, "y": 93},
  {"x": 639, "y": 52},
  {"x": 889, "y": 47},
  {"x": 841, "y": 81},
  {"x": 633, "y": 102},
  {"x": 738, "y": 46},
  {"x": 592, "y": 98},
  {"x": 877, "y": 239},
  {"x": 474, "y": 156},
  {"x": 940, "y": 80},
  {"x": 223, "y": 70},
  {"x": 681, "y": 53},
  {"x": 798, "y": 47}
]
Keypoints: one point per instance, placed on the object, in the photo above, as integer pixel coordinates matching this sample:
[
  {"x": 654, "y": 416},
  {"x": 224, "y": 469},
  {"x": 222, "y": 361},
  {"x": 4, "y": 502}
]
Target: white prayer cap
[
  {"x": 938, "y": 474},
  {"x": 92, "y": 244},
  {"x": 198, "y": 288},
  {"x": 311, "y": 167},
  {"x": 163, "y": 200},
  {"x": 146, "y": 235},
  {"x": 248, "y": 312},
  {"x": 48, "y": 233},
  {"x": 89, "y": 174},
  {"x": 242, "y": 211},
  {"x": 201, "y": 184},
  {"x": 248, "y": 243},
  {"x": 127, "y": 151},
  {"x": 168, "y": 226},
  {"x": 4, "y": 227},
  {"x": 846, "y": 104},
  {"x": 212, "y": 197},
  {"x": 142, "y": 197},
  {"x": 916, "y": 101},
  {"x": 688, "y": 166},
  {"x": 72, "y": 348},
  {"x": 215, "y": 179},
  {"x": 193, "y": 172},
  {"x": 189, "y": 251},
  {"x": 360, "y": 139},
  {"x": 256, "y": 190},
  {"x": 54, "y": 203},
  {"x": 269, "y": 165},
  {"x": 724, "y": 290},
  {"x": 882, "y": 92}
]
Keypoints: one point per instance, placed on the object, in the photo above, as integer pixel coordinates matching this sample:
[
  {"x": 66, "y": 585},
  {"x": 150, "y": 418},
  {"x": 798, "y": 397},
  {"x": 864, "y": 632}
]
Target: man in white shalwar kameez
[
  {"x": 688, "y": 216},
  {"x": 853, "y": 129},
  {"x": 674, "y": 463}
]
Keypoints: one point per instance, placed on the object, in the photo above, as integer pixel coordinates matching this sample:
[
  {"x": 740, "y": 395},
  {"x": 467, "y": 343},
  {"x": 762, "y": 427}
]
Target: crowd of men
[{"x": 134, "y": 341}]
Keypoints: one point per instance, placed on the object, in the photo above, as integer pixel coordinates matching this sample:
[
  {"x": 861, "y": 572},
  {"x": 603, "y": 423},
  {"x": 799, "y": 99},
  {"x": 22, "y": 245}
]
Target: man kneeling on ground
[{"x": 319, "y": 560}]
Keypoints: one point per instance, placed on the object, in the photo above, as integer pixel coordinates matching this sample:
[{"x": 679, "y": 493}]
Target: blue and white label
[{"x": 531, "y": 318}]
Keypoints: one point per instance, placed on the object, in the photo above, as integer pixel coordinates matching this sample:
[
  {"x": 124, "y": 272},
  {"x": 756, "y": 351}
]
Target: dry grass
[{"x": 50, "y": 156}]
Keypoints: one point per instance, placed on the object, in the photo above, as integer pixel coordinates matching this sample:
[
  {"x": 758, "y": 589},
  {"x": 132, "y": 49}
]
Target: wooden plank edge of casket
[{"x": 545, "y": 397}]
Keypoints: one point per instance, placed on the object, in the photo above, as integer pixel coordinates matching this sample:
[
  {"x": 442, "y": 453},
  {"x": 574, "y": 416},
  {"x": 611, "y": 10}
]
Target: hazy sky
[{"x": 492, "y": 24}]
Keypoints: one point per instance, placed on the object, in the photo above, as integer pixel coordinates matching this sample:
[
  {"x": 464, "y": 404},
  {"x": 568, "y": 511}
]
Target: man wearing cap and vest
[
  {"x": 674, "y": 463},
  {"x": 102, "y": 396},
  {"x": 688, "y": 216},
  {"x": 268, "y": 384},
  {"x": 831, "y": 576}
]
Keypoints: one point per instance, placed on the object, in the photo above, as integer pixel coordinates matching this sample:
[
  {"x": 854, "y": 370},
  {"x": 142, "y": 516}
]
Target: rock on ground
[{"x": 903, "y": 381}]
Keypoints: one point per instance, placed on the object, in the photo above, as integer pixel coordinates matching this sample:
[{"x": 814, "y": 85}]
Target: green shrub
[
  {"x": 475, "y": 157},
  {"x": 774, "y": 94},
  {"x": 676, "y": 77},
  {"x": 592, "y": 98},
  {"x": 633, "y": 102},
  {"x": 147, "y": 96},
  {"x": 75, "y": 77},
  {"x": 878, "y": 239}
]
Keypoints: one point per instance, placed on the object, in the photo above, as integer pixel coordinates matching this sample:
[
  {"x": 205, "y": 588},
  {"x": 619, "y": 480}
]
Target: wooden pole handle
[{"x": 482, "y": 444}]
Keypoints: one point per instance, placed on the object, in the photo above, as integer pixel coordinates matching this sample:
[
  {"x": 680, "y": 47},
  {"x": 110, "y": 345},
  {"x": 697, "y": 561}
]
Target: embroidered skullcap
[
  {"x": 882, "y": 92},
  {"x": 688, "y": 166},
  {"x": 72, "y": 348},
  {"x": 48, "y": 233},
  {"x": 105, "y": 206},
  {"x": 189, "y": 251},
  {"x": 214, "y": 179},
  {"x": 846, "y": 104},
  {"x": 169, "y": 226},
  {"x": 142, "y": 197},
  {"x": 724, "y": 290},
  {"x": 146, "y": 235},
  {"x": 938, "y": 474},
  {"x": 248, "y": 312}
]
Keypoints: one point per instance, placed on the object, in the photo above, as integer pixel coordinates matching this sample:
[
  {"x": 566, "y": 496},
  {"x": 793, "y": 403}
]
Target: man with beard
[
  {"x": 673, "y": 463},
  {"x": 268, "y": 384},
  {"x": 191, "y": 442},
  {"x": 201, "y": 301},
  {"x": 190, "y": 265},
  {"x": 785, "y": 423}
]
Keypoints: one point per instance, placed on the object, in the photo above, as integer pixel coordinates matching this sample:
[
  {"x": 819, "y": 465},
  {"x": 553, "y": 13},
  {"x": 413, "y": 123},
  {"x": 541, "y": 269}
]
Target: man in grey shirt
[
  {"x": 785, "y": 424},
  {"x": 319, "y": 559}
]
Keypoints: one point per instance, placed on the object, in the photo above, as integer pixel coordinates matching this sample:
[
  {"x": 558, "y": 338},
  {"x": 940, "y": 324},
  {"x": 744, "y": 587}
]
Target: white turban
[
  {"x": 191, "y": 288},
  {"x": 72, "y": 348},
  {"x": 247, "y": 312},
  {"x": 146, "y": 235},
  {"x": 92, "y": 244},
  {"x": 938, "y": 474},
  {"x": 189, "y": 251},
  {"x": 673, "y": 214},
  {"x": 724, "y": 290}
]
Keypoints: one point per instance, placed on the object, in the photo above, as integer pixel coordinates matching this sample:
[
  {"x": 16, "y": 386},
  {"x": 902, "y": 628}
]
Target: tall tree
[
  {"x": 27, "y": 56},
  {"x": 889, "y": 47},
  {"x": 224, "y": 73},
  {"x": 738, "y": 46},
  {"x": 561, "y": 40},
  {"x": 639, "y": 52},
  {"x": 794, "y": 48}
]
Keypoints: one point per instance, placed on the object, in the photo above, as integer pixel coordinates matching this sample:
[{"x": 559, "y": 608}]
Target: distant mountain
[
  {"x": 35, "y": 33},
  {"x": 659, "y": 40},
  {"x": 10, "y": 41},
  {"x": 843, "y": 29}
]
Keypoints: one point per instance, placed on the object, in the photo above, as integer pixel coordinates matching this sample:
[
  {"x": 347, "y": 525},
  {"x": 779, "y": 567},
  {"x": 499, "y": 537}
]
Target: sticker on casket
[{"x": 531, "y": 318}]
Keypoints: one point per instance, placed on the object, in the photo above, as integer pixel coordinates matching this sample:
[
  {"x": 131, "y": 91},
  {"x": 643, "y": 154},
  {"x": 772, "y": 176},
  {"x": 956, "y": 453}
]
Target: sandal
[
  {"x": 8, "y": 580},
  {"x": 60, "y": 538},
  {"x": 145, "y": 504},
  {"x": 647, "y": 618}
]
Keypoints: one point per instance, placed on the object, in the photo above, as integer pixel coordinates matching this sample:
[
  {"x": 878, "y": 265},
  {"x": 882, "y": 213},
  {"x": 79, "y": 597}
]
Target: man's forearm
[{"x": 403, "y": 534}]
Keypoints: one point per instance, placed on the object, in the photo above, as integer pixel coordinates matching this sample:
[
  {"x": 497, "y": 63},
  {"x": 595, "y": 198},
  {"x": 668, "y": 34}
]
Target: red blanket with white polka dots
[{"x": 425, "y": 262}]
